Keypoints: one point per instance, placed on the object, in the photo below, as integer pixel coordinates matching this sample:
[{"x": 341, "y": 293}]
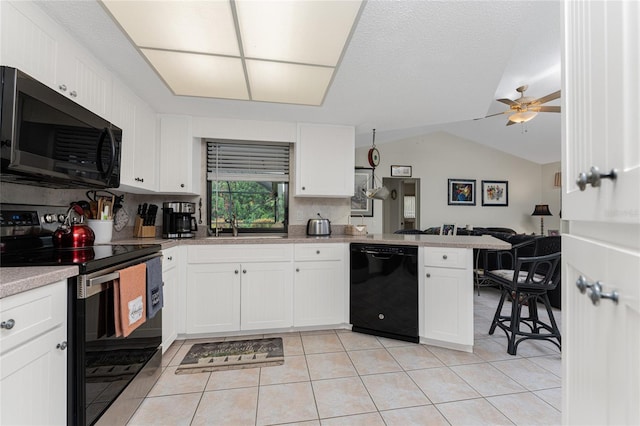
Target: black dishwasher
[{"x": 384, "y": 290}]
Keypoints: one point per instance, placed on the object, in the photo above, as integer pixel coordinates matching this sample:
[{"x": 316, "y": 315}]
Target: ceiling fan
[{"x": 525, "y": 108}]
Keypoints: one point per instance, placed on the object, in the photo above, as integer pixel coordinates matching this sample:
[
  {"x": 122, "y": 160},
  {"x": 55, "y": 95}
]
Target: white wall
[{"x": 439, "y": 156}]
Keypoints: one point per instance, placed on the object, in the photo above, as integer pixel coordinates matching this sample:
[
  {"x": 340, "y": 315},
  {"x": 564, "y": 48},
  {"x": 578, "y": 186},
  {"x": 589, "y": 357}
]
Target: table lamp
[{"x": 541, "y": 210}]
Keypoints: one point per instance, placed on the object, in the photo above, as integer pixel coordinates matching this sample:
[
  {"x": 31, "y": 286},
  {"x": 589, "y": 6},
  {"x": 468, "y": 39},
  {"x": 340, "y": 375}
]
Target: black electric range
[
  {"x": 26, "y": 240},
  {"x": 88, "y": 259}
]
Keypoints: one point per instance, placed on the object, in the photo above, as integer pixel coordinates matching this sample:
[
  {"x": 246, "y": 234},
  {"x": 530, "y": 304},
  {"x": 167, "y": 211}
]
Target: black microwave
[{"x": 46, "y": 139}]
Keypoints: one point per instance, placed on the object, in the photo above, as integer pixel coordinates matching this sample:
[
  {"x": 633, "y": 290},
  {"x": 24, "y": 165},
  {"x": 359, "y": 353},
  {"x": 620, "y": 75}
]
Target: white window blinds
[{"x": 247, "y": 161}]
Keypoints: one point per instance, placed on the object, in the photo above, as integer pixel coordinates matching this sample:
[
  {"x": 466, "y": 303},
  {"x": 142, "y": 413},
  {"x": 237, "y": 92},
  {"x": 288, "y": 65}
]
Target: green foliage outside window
[{"x": 257, "y": 206}]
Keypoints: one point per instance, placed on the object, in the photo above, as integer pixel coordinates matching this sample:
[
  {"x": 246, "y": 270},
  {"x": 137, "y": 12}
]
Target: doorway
[{"x": 401, "y": 210}]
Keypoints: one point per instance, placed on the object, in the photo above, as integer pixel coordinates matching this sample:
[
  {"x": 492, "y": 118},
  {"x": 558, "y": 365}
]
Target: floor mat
[{"x": 232, "y": 354}]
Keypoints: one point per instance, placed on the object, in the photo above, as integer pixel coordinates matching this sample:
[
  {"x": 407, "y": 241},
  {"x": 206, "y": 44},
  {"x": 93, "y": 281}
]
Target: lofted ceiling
[{"x": 411, "y": 68}]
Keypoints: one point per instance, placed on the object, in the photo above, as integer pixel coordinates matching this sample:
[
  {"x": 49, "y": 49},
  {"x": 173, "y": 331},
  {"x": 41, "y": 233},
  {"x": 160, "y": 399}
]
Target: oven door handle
[{"x": 103, "y": 279}]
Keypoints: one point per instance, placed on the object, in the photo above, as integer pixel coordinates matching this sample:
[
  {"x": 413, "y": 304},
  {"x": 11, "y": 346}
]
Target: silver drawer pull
[
  {"x": 583, "y": 284},
  {"x": 594, "y": 178},
  {"x": 597, "y": 294},
  {"x": 444, "y": 256},
  {"x": 62, "y": 346},
  {"x": 8, "y": 324}
]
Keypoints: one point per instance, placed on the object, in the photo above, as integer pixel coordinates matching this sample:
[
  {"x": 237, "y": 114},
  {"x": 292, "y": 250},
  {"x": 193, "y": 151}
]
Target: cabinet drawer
[
  {"x": 34, "y": 312},
  {"x": 305, "y": 252},
  {"x": 169, "y": 258},
  {"x": 227, "y": 253},
  {"x": 445, "y": 257}
]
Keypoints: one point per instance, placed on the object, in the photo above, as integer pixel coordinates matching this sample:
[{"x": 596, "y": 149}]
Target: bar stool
[{"x": 526, "y": 285}]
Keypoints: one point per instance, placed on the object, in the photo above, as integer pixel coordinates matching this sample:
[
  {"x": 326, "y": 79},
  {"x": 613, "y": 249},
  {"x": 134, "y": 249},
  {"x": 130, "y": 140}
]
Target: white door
[{"x": 601, "y": 242}]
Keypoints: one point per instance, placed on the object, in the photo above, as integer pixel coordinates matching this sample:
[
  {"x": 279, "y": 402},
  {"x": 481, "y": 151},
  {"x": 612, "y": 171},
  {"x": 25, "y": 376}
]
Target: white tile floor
[{"x": 337, "y": 377}]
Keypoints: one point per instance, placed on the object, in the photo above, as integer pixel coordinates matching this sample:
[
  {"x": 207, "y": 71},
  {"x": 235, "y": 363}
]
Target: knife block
[{"x": 141, "y": 231}]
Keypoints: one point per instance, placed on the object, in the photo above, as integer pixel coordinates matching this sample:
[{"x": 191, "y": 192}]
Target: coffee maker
[{"x": 178, "y": 220}]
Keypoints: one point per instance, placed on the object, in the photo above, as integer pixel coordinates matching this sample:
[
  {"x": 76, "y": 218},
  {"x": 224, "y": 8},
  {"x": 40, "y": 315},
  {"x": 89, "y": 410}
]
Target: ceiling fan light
[{"x": 522, "y": 117}]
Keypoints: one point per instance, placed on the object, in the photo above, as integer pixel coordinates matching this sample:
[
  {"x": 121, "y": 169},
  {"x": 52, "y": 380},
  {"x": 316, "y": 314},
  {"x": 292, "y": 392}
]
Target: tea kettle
[{"x": 73, "y": 234}]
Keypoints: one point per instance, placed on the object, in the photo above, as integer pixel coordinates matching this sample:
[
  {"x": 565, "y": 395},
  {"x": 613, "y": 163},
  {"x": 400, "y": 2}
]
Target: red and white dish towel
[{"x": 130, "y": 301}]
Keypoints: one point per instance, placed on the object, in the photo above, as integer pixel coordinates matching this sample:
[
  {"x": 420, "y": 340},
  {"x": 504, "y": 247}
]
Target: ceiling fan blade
[
  {"x": 493, "y": 115},
  {"x": 546, "y": 108},
  {"x": 508, "y": 101},
  {"x": 549, "y": 97}
]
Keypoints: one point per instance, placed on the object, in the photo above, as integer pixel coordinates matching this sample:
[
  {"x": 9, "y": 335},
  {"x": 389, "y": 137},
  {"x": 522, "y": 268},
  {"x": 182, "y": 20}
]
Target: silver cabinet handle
[
  {"x": 73, "y": 94},
  {"x": 170, "y": 258},
  {"x": 428, "y": 275},
  {"x": 236, "y": 271},
  {"x": 62, "y": 346},
  {"x": 583, "y": 284},
  {"x": 595, "y": 291},
  {"x": 8, "y": 324},
  {"x": 182, "y": 185},
  {"x": 444, "y": 256},
  {"x": 597, "y": 294},
  {"x": 594, "y": 178},
  {"x": 244, "y": 271},
  {"x": 317, "y": 251},
  {"x": 297, "y": 269},
  {"x": 63, "y": 87}
]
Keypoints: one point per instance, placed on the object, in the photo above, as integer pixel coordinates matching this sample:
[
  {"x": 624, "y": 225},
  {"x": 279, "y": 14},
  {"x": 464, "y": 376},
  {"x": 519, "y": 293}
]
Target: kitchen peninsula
[{"x": 305, "y": 283}]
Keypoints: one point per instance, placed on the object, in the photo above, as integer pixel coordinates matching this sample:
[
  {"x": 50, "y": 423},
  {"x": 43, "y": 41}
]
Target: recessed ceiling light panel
[
  {"x": 310, "y": 32},
  {"x": 288, "y": 83},
  {"x": 192, "y": 26},
  {"x": 190, "y": 74}
]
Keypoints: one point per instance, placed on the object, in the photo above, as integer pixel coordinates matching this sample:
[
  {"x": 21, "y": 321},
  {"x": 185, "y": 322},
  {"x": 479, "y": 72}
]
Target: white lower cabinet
[
  {"x": 226, "y": 294},
  {"x": 448, "y": 297},
  {"x": 171, "y": 281},
  {"x": 319, "y": 284},
  {"x": 33, "y": 377},
  {"x": 213, "y": 298}
]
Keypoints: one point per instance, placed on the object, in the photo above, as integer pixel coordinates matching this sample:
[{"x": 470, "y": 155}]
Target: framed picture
[
  {"x": 401, "y": 171},
  {"x": 462, "y": 192},
  {"x": 448, "y": 230},
  {"x": 360, "y": 204},
  {"x": 495, "y": 193}
]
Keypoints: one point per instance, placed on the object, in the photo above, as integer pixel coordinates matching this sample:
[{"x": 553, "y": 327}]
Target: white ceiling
[{"x": 411, "y": 68}]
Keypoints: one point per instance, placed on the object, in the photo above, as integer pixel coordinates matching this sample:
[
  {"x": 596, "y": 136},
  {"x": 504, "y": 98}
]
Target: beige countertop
[
  {"x": 18, "y": 279},
  {"x": 458, "y": 241}
]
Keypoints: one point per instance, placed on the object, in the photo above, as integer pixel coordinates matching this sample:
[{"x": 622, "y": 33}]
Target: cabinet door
[
  {"x": 33, "y": 382},
  {"x": 325, "y": 158},
  {"x": 170, "y": 278},
  {"x": 25, "y": 44},
  {"x": 83, "y": 79},
  {"x": 266, "y": 295},
  {"x": 448, "y": 306},
  {"x": 319, "y": 293},
  {"x": 138, "y": 170},
  {"x": 180, "y": 168},
  {"x": 601, "y": 100},
  {"x": 213, "y": 298}
]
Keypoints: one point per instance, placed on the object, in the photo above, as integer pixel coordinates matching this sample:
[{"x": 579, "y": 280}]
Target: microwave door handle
[{"x": 112, "y": 159}]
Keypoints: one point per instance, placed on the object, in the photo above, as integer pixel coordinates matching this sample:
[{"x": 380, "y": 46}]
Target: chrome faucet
[{"x": 234, "y": 225}]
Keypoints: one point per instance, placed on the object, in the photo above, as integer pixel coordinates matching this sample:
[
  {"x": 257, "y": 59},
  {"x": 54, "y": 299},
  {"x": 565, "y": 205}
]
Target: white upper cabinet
[
  {"x": 139, "y": 158},
  {"x": 601, "y": 99},
  {"x": 33, "y": 43},
  {"x": 180, "y": 166},
  {"x": 325, "y": 158}
]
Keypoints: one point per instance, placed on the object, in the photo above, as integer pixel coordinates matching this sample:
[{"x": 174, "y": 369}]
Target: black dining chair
[{"x": 528, "y": 283}]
